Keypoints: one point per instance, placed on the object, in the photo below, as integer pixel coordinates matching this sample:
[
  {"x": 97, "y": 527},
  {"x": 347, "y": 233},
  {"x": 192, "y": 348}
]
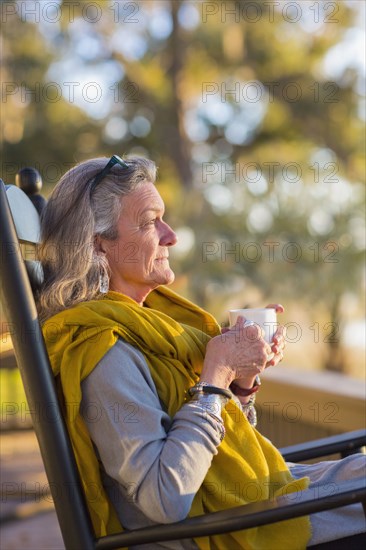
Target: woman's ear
[{"x": 99, "y": 245}]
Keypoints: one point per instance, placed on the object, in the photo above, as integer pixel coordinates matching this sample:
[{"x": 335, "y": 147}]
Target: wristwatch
[{"x": 243, "y": 392}]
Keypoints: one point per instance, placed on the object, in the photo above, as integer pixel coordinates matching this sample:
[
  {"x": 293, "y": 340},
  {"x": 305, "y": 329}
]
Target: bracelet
[
  {"x": 220, "y": 425},
  {"x": 246, "y": 406},
  {"x": 211, "y": 406},
  {"x": 210, "y": 400},
  {"x": 204, "y": 387},
  {"x": 237, "y": 390},
  {"x": 250, "y": 412}
]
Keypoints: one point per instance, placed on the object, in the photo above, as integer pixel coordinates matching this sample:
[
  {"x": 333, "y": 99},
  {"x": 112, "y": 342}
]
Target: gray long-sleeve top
[{"x": 154, "y": 464}]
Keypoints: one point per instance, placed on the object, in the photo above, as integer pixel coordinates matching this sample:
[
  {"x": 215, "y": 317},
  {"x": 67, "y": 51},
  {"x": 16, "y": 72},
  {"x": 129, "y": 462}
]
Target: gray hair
[{"x": 70, "y": 223}]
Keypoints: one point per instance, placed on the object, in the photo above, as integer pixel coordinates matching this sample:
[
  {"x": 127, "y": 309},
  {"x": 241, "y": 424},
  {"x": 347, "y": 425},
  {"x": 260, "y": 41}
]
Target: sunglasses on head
[{"x": 101, "y": 175}]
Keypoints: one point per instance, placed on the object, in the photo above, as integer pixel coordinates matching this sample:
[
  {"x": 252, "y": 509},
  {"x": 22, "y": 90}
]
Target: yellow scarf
[{"x": 172, "y": 333}]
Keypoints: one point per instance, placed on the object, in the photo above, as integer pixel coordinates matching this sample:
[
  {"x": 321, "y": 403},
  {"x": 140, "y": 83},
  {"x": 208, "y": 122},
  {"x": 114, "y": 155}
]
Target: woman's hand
[
  {"x": 222, "y": 363},
  {"x": 278, "y": 341},
  {"x": 277, "y": 349},
  {"x": 238, "y": 353}
]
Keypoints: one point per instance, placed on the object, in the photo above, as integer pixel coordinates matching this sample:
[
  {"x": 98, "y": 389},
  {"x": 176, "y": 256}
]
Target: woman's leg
[{"x": 339, "y": 522}]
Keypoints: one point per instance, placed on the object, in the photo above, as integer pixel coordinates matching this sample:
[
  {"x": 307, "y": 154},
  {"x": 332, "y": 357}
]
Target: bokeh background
[{"x": 254, "y": 112}]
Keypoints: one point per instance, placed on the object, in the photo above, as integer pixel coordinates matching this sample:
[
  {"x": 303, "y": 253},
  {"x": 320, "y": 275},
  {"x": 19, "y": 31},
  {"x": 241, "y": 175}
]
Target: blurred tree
[
  {"x": 254, "y": 122},
  {"x": 38, "y": 126}
]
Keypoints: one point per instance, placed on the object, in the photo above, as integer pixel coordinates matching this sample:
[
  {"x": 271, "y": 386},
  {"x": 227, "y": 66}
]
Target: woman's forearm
[{"x": 163, "y": 460}]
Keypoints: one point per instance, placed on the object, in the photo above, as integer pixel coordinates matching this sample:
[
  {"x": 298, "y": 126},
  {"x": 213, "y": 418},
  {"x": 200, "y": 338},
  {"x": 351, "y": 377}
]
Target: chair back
[
  {"x": 19, "y": 228},
  {"x": 28, "y": 229}
]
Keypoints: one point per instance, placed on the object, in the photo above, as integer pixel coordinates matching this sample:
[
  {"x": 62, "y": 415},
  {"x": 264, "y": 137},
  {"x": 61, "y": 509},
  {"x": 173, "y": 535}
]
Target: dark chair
[
  {"x": 49, "y": 426},
  {"x": 30, "y": 181}
]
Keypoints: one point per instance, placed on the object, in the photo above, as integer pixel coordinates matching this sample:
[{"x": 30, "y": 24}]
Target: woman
[{"x": 159, "y": 403}]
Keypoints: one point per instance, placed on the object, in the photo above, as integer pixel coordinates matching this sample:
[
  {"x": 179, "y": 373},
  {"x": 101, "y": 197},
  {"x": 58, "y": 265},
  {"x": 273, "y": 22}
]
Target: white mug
[{"x": 266, "y": 318}]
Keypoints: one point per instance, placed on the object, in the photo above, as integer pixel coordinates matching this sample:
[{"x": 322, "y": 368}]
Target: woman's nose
[{"x": 168, "y": 237}]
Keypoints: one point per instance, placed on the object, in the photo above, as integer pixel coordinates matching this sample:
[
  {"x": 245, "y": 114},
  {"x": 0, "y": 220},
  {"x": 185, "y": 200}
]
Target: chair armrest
[
  {"x": 244, "y": 517},
  {"x": 343, "y": 443}
]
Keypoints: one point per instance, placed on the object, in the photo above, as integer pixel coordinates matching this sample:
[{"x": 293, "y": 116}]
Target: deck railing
[
  {"x": 292, "y": 406},
  {"x": 295, "y": 406}
]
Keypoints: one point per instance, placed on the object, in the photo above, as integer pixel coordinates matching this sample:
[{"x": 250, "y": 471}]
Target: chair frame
[{"x": 58, "y": 456}]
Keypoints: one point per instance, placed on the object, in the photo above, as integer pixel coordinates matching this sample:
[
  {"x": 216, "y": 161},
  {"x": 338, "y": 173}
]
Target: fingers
[
  {"x": 277, "y": 358},
  {"x": 253, "y": 351},
  {"x": 243, "y": 322},
  {"x": 250, "y": 330},
  {"x": 277, "y": 346},
  {"x": 277, "y": 351},
  {"x": 278, "y": 307},
  {"x": 279, "y": 337}
]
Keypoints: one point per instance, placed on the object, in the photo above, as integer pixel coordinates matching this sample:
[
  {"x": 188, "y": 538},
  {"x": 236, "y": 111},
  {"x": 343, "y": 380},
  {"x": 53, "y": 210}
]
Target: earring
[{"x": 103, "y": 283}]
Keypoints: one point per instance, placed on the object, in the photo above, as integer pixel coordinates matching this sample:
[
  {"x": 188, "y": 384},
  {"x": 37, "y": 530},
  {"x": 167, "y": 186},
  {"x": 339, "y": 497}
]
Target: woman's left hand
[
  {"x": 278, "y": 341},
  {"x": 277, "y": 346}
]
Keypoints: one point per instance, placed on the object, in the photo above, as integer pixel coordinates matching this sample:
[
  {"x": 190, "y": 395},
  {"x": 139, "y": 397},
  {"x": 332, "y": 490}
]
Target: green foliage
[{"x": 260, "y": 147}]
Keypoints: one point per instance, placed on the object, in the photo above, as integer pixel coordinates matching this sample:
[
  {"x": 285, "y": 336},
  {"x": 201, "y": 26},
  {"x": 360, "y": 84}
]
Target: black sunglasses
[{"x": 101, "y": 175}]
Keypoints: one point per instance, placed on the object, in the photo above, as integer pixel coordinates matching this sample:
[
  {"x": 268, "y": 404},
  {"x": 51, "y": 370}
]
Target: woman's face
[{"x": 138, "y": 258}]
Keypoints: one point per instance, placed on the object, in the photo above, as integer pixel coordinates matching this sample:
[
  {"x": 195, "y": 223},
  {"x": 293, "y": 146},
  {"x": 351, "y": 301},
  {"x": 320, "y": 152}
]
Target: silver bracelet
[
  {"x": 250, "y": 412},
  {"x": 211, "y": 406},
  {"x": 211, "y": 401}
]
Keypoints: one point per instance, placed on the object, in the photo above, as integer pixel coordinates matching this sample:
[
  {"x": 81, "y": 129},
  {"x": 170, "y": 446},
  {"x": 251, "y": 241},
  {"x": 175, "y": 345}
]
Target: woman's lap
[{"x": 339, "y": 522}]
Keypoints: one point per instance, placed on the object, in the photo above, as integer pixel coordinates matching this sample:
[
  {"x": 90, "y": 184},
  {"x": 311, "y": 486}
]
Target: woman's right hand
[{"x": 240, "y": 352}]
